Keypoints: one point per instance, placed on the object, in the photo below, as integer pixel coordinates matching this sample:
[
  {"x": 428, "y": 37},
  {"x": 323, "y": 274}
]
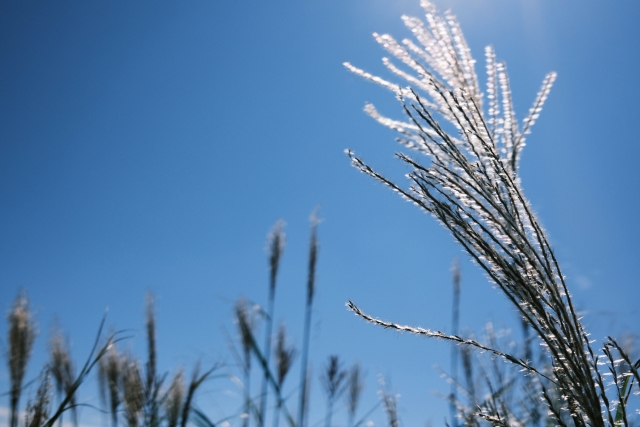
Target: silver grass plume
[
  {"x": 275, "y": 247},
  {"x": 37, "y": 412},
  {"x": 246, "y": 320},
  {"x": 284, "y": 354},
  {"x": 22, "y": 333},
  {"x": 62, "y": 369},
  {"x": 471, "y": 187},
  {"x": 305, "y": 395},
  {"x": 313, "y": 258}
]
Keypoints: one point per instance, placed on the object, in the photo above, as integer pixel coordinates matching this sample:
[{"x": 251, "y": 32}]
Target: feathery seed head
[
  {"x": 313, "y": 256},
  {"x": 284, "y": 354},
  {"x": 246, "y": 321},
  {"x": 472, "y": 187},
  {"x": 22, "y": 333},
  {"x": 332, "y": 378},
  {"x": 275, "y": 247},
  {"x": 60, "y": 363}
]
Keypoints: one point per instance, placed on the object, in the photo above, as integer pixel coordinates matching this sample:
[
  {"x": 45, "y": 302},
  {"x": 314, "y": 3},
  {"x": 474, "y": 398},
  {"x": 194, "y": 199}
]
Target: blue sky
[{"x": 151, "y": 146}]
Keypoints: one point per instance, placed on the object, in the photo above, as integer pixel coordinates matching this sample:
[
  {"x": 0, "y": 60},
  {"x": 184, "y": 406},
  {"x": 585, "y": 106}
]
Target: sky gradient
[{"x": 151, "y": 146}]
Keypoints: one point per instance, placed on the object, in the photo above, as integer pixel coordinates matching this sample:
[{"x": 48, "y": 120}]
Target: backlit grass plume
[{"x": 471, "y": 186}]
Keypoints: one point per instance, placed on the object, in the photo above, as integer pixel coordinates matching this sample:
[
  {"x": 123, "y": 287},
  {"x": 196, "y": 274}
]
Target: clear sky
[{"x": 150, "y": 146}]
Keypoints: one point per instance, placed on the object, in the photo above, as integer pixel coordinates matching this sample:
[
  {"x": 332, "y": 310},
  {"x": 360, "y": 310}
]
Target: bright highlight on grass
[{"x": 471, "y": 186}]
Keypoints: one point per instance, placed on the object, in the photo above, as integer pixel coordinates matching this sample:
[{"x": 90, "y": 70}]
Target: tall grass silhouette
[
  {"x": 135, "y": 393},
  {"x": 471, "y": 186},
  {"x": 334, "y": 379},
  {"x": 132, "y": 396}
]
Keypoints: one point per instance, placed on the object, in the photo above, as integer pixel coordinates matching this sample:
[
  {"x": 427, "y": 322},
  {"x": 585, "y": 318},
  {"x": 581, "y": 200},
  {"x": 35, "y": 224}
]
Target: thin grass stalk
[
  {"x": 22, "y": 333},
  {"x": 188, "y": 401},
  {"x": 455, "y": 318},
  {"x": 622, "y": 381},
  {"x": 634, "y": 367},
  {"x": 197, "y": 380},
  {"x": 307, "y": 395},
  {"x": 247, "y": 397},
  {"x": 276, "y": 413},
  {"x": 467, "y": 369},
  {"x": 553, "y": 410},
  {"x": 355, "y": 385},
  {"x": 329, "y": 413},
  {"x": 532, "y": 403},
  {"x": 275, "y": 248},
  {"x": 452, "y": 338},
  {"x": 333, "y": 381},
  {"x": 304, "y": 373}
]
